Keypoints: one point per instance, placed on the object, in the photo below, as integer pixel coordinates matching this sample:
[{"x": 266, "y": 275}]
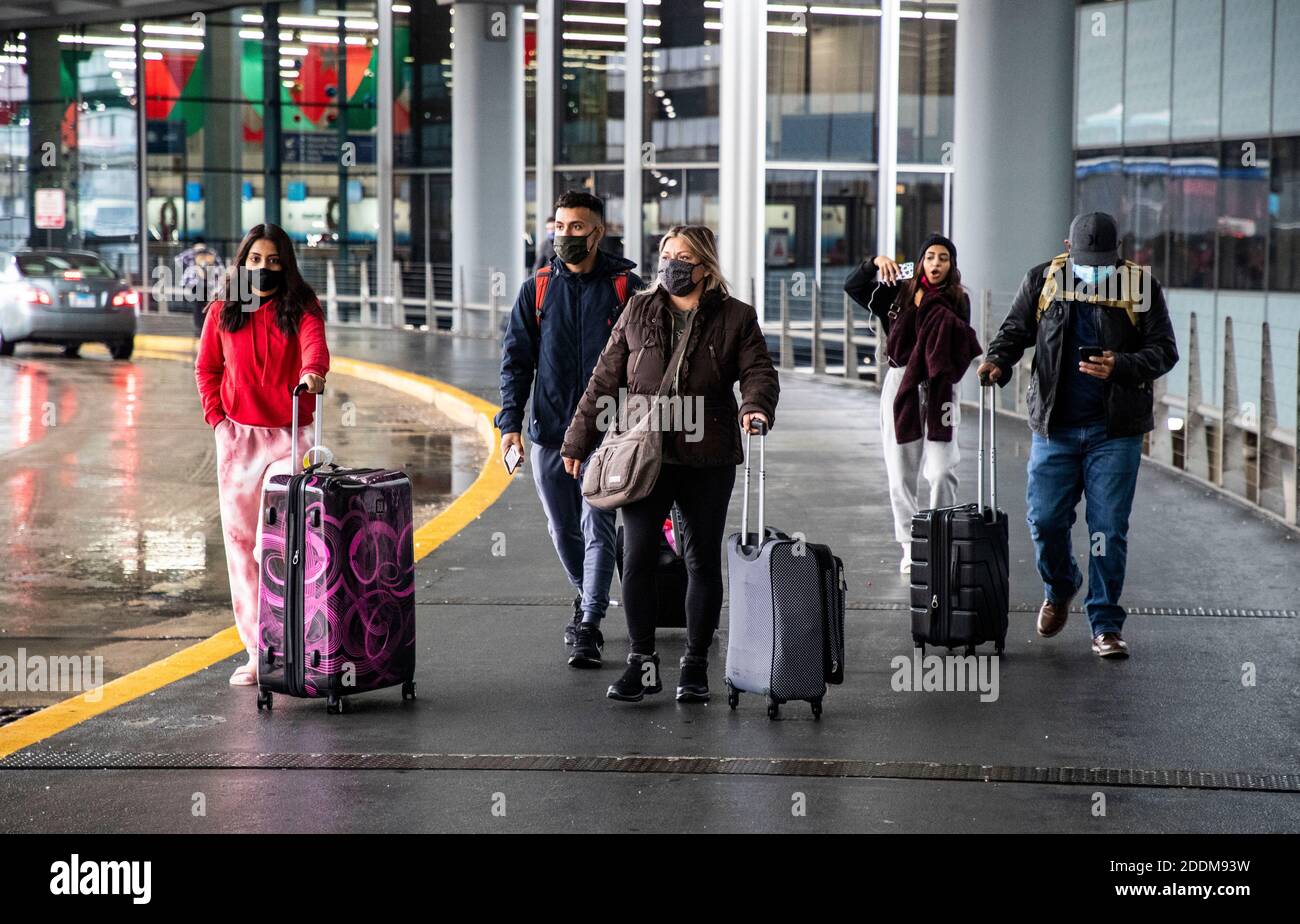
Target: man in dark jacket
[
  {"x": 558, "y": 328},
  {"x": 1087, "y": 417}
]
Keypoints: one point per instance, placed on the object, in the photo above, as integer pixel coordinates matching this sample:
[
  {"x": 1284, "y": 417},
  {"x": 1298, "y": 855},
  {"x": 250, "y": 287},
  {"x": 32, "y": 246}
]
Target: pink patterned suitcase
[{"x": 336, "y": 611}]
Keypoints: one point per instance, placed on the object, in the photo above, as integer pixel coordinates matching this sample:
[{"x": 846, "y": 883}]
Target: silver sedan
[{"x": 64, "y": 297}]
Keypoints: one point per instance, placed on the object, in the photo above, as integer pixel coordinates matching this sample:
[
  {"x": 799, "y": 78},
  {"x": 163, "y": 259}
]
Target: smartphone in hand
[
  {"x": 906, "y": 270},
  {"x": 513, "y": 458},
  {"x": 1090, "y": 354}
]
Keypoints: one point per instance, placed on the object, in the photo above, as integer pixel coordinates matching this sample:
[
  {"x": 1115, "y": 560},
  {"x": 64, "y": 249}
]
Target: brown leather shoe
[
  {"x": 1052, "y": 617},
  {"x": 1110, "y": 645}
]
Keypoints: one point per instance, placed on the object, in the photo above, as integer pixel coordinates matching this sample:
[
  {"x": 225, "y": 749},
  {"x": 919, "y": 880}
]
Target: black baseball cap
[{"x": 1094, "y": 239}]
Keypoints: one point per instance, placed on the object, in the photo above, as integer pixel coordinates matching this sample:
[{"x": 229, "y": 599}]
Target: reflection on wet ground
[{"x": 108, "y": 501}]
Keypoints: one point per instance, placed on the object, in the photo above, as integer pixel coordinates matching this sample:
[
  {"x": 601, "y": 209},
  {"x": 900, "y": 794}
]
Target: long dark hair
[{"x": 292, "y": 298}]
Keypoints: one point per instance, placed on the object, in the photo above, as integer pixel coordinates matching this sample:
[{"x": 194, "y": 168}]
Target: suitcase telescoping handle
[
  {"x": 761, "y": 426},
  {"x": 993, "y": 449},
  {"x": 295, "y": 461}
]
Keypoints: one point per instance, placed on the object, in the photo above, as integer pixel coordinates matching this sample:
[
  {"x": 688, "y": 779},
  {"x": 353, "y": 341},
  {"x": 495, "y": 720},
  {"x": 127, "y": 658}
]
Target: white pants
[{"x": 906, "y": 463}]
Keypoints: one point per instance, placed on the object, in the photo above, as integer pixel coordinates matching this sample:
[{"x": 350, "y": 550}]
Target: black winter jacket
[{"x": 1142, "y": 354}]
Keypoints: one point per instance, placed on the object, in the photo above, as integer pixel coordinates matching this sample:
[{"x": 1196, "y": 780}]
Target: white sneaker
[
  {"x": 246, "y": 674},
  {"x": 905, "y": 566}
]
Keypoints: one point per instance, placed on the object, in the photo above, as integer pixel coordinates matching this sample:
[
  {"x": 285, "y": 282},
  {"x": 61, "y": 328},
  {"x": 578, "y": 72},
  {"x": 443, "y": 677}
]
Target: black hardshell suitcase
[
  {"x": 670, "y": 574},
  {"x": 960, "y": 565}
]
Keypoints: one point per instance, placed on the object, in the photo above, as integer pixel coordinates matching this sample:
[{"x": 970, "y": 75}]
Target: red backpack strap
[
  {"x": 540, "y": 279},
  {"x": 620, "y": 287}
]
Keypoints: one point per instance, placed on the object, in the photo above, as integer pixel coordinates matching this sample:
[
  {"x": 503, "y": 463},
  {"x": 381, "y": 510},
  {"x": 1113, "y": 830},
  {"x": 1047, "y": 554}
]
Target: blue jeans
[
  {"x": 1074, "y": 461},
  {"x": 583, "y": 535}
]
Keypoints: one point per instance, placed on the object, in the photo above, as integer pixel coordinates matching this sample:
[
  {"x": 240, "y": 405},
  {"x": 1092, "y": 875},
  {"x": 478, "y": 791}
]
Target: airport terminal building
[{"x": 413, "y": 149}]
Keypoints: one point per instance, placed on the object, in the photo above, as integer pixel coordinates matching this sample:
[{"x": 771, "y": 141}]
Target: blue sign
[
  {"x": 296, "y": 191},
  {"x": 354, "y": 191},
  {"x": 193, "y": 191},
  {"x": 247, "y": 191}
]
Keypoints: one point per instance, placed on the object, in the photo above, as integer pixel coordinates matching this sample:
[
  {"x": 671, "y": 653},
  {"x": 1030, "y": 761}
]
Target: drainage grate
[
  {"x": 14, "y": 713},
  {"x": 897, "y": 606},
  {"x": 33, "y": 759},
  {"x": 1131, "y": 610}
]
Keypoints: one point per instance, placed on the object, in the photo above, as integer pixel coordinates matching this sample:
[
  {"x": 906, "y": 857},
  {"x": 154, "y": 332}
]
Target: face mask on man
[
  {"x": 1092, "y": 275},
  {"x": 573, "y": 248},
  {"x": 675, "y": 276}
]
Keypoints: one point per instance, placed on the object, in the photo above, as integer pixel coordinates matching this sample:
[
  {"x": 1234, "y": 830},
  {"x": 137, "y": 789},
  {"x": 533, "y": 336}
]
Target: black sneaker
[
  {"x": 693, "y": 685},
  {"x": 571, "y": 628},
  {"x": 630, "y": 688},
  {"x": 587, "y": 646}
]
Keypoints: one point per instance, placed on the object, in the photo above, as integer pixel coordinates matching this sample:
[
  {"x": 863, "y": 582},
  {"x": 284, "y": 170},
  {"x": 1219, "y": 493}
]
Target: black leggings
[{"x": 703, "y": 495}]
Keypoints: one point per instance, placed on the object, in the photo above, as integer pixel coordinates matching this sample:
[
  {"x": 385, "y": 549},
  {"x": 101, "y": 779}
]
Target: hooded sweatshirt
[{"x": 248, "y": 375}]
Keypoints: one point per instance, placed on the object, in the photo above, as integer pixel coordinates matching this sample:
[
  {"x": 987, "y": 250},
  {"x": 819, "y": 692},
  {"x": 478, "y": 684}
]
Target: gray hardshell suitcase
[{"x": 785, "y": 639}]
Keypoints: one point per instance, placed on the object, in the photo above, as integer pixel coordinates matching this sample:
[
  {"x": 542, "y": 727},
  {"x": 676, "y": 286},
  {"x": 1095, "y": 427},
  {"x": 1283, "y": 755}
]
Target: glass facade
[
  {"x": 681, "y": 64},
  {"x": 68, "y": 125},
  {"x": 674, "y": 197},
  {"x": 1185, "y": 149},
  {"x": 927, "y": 64},
  {"x": 592, "y": 81},
  {"x": 823, "y": 76},
  {"x": 837, "y": 191}
]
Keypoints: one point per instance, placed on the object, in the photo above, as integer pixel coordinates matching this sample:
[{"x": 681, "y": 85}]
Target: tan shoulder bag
[{"x": 625, "y": 466}]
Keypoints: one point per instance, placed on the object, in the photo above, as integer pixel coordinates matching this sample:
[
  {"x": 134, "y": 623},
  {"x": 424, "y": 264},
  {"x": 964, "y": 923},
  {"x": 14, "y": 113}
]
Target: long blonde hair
[{"x": 700, "y": 240}]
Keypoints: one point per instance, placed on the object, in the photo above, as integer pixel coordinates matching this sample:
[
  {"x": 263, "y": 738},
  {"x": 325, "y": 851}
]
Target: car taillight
[
  {"x": 38, "y": 296},
  {"x": 126, "y": 299}
]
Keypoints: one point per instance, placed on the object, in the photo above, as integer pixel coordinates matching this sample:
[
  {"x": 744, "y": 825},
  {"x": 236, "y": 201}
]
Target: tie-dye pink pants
[{"x": 246, "y": 459}]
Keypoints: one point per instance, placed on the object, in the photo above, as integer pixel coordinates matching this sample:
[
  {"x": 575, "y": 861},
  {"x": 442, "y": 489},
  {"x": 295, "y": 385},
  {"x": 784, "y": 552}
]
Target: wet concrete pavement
[
  {"x": 1174, "y": 738},
  {"x": 113, "y": 542}
]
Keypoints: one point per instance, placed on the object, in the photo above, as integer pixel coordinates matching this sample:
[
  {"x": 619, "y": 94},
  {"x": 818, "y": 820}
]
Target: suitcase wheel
[
  {"x": 816, "y": 709},
  {"x": 264, "y": 700},
  {"x": 733, "y": 696},
  {"x": 408, "y": 690},
  {"x": 334, "y": 705},
  {"x": 1001, "y": 645},
  {"x": 773, "y": 708}
]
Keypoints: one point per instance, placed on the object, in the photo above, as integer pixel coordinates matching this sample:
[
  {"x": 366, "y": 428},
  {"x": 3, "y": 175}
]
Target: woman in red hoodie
[{"x": 262, "y": 339}]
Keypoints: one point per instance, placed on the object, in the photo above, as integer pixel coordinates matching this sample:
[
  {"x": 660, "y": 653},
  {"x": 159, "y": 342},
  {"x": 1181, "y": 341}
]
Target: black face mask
[
  {"x": 675, "y": 276},
  {"x": 265, "y": 280},
  {"x": 573, "y": 248}
]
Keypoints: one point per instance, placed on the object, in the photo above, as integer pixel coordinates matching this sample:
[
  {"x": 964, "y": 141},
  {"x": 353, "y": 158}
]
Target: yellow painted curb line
[{"x": 462, "y": 407}]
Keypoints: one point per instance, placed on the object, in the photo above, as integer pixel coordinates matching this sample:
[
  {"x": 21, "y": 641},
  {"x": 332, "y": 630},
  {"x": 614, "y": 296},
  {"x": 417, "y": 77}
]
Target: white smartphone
[
  {"x": 905, "y": 270},
  {"x": 512, "y": 459}
]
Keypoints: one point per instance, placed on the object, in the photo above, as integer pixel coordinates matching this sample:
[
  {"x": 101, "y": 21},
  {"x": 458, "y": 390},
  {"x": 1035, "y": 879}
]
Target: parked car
[{"x": 66, "y": 297}]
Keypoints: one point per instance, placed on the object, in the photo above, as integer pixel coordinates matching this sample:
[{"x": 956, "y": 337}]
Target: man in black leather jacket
[{"x": 1102, "y": 335}]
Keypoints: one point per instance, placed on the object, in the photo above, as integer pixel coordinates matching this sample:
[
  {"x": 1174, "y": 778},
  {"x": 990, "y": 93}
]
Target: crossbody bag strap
[{"x": 675, "y": 361}]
